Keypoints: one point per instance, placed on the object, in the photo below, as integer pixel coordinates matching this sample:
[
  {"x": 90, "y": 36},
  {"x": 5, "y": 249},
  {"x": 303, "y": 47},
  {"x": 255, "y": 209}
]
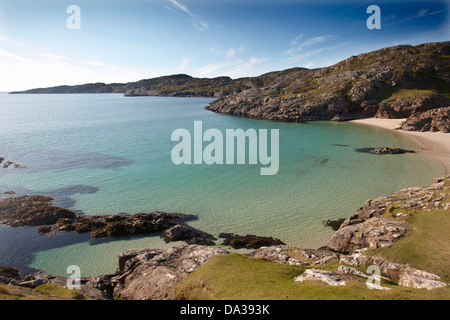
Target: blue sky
[{"x": 129, "y": 40}]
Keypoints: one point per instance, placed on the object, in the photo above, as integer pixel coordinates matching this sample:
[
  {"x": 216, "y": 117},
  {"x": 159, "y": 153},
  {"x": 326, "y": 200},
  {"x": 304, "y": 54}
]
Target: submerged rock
[
  {"x": 384, "y": 150},
  {"x": 249, "y": 241}
]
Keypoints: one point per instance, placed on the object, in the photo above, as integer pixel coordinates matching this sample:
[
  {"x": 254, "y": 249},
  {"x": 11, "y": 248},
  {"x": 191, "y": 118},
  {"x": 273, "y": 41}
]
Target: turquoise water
[{"x": 107, "y": 154}]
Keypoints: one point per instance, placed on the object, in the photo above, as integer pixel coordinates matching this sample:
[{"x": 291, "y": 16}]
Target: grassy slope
[
  {"x": 239, "y": 277},
  {"x": 43, "y": 292}
]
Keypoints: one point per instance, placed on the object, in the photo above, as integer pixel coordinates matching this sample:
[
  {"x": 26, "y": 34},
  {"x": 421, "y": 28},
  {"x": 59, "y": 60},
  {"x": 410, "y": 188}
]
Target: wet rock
[
  {"x": 333, "y": 224},
  {"x": 276, "y": 254},
  {"x": 10, "y": 275},
  {"x": 44, "y": 229},
  {"x": 182, "y": 232},
  {"x": 250, "y": 241},
  {"x": 39, "y": 211},
  {"x": 31, "y": 211}
]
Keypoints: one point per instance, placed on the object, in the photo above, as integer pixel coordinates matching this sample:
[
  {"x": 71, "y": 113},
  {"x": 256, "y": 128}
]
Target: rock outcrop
[
  {"x": 351, "y": 89},
  {"x": 435, "y": 120},
  {"x": 147, "y": 274},
  {"x": 368, "y": 229},
  {"x": 31, "y": 211},
  {"x": 8, "y": 163},
  {"x": 405, "y": 107},
  {"x": 37, "y": 210}
]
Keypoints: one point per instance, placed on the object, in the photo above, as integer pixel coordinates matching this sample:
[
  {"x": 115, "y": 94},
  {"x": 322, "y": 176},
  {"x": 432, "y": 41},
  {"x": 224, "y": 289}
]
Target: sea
[{"x": 103, "y": 154}]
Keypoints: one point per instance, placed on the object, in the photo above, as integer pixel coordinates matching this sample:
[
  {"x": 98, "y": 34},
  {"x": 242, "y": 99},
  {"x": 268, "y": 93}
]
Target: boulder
[
  {"x": 181, "y": 232},
  {"x": 332, "y": 278},
  {"x": 249, "y": 241}
]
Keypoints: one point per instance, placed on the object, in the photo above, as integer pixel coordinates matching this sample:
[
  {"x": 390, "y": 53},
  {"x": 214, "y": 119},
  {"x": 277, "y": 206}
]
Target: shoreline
[{"x": 434, "y": 145}]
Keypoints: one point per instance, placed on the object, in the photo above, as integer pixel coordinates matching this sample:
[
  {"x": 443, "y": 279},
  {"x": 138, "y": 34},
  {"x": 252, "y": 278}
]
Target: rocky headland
[
  {"x": 379, "y": 223},
  {"x": 394, "y": 83}
]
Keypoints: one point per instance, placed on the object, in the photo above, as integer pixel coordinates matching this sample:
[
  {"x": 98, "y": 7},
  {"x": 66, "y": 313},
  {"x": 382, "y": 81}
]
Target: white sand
[{"x": 433, "y": 144}]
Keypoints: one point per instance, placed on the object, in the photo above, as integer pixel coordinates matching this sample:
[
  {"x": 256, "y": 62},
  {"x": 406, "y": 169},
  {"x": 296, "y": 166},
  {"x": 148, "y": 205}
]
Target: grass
[
  {"x": 408, "y": 94},
  {"x": 238, "y": 277},
  {"x": 43, "y": 292},
  {"x": 428, "y": 245}
]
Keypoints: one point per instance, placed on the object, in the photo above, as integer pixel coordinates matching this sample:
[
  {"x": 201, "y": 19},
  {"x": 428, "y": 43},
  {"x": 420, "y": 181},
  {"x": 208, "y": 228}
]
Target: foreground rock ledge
[{"x": 147, "y": 274}]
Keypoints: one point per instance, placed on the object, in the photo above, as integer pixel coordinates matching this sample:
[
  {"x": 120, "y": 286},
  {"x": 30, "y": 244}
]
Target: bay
[{"x": 110, "y": 154}]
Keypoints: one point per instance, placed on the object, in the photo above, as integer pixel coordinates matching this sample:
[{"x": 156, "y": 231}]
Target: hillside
[
  {"x": 180, "y": 85},
  {"x": 395, "y": 82},
  {"x": 390, "y": 83}
]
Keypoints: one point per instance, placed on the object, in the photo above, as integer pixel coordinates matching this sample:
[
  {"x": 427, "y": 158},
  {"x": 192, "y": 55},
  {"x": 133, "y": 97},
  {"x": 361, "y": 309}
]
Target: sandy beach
[{"x": 433, "y": 144}]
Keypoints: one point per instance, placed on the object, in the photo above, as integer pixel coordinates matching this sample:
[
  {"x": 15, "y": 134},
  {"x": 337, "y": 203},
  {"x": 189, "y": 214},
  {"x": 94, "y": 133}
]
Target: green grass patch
[
  {"x": 238, "y": 277},
  {"x": 428, "y": 245},
  {"x": 408, "y": 94},
  {"x": 43, "y": 292}
]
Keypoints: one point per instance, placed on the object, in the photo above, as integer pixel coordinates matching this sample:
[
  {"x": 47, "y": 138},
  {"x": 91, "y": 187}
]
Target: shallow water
[{"x": 107, "y": 154}]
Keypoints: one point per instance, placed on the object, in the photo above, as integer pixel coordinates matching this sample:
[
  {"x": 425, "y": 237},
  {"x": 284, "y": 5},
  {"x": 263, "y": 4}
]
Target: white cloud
[
  {"x": 426, "y": 13},
  {"x": 198, "y": 22},
  {"x": 24, "y": 66},
  {"x": 207, "y": 70},
  {"x": 301, "y": 56},
  {"x": 229, "y": 53},
  {"x": 184, "y": 64},
  {"x": 295, "y": 47},
  {"x": 420, "y": 14},
  {"x": 309, "y": 64},
  {"x": 233, "y": 68}
]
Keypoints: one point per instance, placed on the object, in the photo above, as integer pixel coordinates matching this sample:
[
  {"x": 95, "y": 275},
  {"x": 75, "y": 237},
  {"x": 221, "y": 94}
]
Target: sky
[{"x": 44, "y": 44}]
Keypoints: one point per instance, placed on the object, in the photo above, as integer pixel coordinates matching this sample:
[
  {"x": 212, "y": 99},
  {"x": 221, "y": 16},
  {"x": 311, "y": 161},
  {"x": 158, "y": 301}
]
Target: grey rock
[
  {"x": 332, "y": 278},
  {"x": 355, "y": 259},
  {"x": 150, "y": 276},
  {"x": 276, "y": 254}
]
